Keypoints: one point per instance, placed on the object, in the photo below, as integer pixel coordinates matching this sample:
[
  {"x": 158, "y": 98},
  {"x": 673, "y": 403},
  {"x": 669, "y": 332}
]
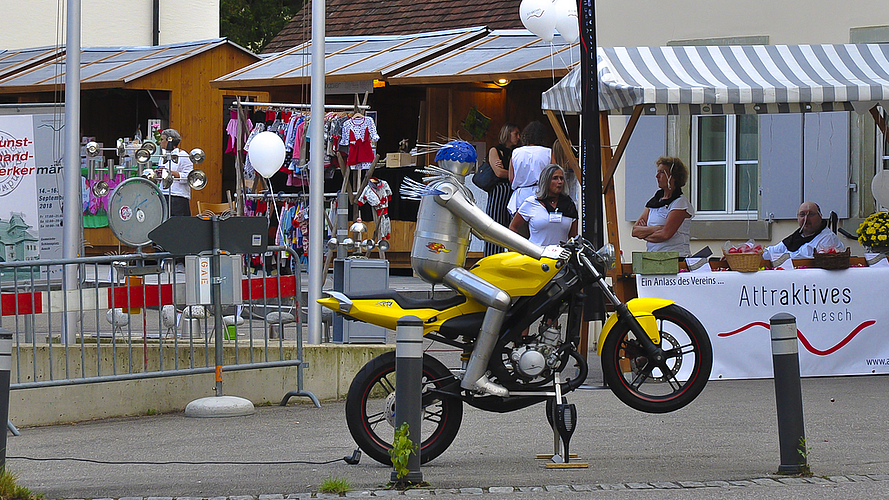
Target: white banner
[
  {"x": 19, "y": 222},
  {"x": 841, "y": 316}
]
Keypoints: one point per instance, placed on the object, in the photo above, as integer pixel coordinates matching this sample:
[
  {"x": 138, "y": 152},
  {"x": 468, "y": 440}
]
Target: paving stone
[
  {"x": 292, "y": 496},
  {"x": 718, "y": 484},
  {"x": 471, "y": 491},
  {"x": 163, "y": 498},
  {"x": 327, "y": 495},
  {"x": 501, "y": 489},
  {"x": 446, "y": 491},
  {"x": 192, "y": 498},
  {"x": 363, "y": 493},
  {"x": 385, "y": 493},
  {"x": 818, "y": 480},
  {"x": 879, "y": 477},
  {"x": 241, "y": 497},
  {"x": 639, "y": 486},
  {"x": 130, "y": 498},
  {"x": 665, "y": 485},
  {"x": 530, "y": 489},
  {"x": 744, "y": 483},
  {"x": 764, "y": 481},
  {"x": 859, "y": 479},
  {"x": 558, "y": 488},
  {"x": 691, "y": 484},
  {"x": 584, "y": 487},
  {"x": 271, "y": 497},
  {"x": 418, "y": 492},
  {"x": 615, "y": 486},
  {"x": 793, "y": 480},
  {"x": 839, "y": 479}
]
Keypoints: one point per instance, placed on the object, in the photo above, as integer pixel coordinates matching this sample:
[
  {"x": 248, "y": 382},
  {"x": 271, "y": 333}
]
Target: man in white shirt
[
  {"x": 179, "y": 192},
  {"x": 811, "y": 235}
]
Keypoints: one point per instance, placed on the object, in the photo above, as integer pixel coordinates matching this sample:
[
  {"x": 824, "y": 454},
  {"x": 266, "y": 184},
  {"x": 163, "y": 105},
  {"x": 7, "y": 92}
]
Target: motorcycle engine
[{"x": 533, "y": 359}]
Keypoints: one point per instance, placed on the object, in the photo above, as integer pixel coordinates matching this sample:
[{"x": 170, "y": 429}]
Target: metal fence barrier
[{"x": 130, "y": 311}]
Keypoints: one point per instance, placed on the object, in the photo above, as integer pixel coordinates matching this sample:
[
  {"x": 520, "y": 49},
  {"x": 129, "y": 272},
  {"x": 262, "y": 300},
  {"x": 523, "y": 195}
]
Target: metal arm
[{"x": 489, "y": 229}]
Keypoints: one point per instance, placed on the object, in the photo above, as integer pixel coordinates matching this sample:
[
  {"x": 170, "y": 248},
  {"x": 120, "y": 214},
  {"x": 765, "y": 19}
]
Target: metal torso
[{"x": 441, "y": 239}]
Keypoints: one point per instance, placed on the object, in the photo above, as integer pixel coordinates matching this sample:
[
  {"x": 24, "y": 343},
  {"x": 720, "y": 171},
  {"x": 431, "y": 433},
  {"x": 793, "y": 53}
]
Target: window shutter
[
  {"x": 647, "y": 144},
  {"x": 826, "y": 166},
  {"x": 781, "y": 165}
]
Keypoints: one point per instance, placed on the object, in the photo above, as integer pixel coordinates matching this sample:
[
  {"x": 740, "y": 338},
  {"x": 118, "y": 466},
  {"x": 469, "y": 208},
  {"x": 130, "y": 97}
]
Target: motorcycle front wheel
[
  {"x": 370, "y": 409},
  {"x": 640, "y": 384}
]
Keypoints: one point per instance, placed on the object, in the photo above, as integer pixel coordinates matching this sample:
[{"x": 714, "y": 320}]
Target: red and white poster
[
  {"x": 841, "y": 317},
  {"x": 19, "y": 217}
]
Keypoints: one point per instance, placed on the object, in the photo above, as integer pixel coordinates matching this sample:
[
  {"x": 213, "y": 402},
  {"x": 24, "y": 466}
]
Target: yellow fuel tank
[{"x": 514, "y": 273}]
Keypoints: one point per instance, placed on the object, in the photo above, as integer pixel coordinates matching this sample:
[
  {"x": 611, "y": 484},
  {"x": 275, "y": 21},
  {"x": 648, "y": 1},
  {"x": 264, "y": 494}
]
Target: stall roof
[
  {"x": 351, "y": 58},
  {"x": 732, "y": 79},
  {"x": 510, "y": 54},
  {"x": 12, "y": 61},
  {"x": 458, "y": 55},
  {"x": 102, "y": 67}
]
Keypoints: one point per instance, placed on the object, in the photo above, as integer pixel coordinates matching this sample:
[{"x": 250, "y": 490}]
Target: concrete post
[
  {"x": 408, "y": 390},
  {"x": 788, "y": 393},
  {"x": 5, "y": 368}
]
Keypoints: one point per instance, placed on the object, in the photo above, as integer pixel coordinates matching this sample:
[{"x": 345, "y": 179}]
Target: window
[{"x": 725, "y": 165}]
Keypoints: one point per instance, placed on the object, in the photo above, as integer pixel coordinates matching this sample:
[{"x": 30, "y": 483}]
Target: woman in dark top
[{"x": 498, "y": 158}]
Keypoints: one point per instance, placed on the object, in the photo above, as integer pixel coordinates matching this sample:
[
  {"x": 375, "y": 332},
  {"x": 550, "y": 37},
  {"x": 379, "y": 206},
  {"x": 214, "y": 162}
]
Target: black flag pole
[{"x": 592, "y": 223}]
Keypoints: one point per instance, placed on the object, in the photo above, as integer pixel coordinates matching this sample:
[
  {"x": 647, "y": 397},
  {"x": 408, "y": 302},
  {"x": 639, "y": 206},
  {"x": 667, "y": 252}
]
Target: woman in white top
[
  {"x": 526, "y": 164},
  {"x": 549, "y": 217},
  {"x": 666, "y": 220}
]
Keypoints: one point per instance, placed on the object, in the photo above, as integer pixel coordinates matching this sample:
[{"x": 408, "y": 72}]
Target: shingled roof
[{"x": 393, "y": 17}]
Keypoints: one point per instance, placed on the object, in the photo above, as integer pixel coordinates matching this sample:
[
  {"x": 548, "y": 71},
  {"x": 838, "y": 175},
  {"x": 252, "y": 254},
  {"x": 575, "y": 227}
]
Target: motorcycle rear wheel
[
  {"x": 370, "y": 409},
  {"x": 645, "y": 387}
]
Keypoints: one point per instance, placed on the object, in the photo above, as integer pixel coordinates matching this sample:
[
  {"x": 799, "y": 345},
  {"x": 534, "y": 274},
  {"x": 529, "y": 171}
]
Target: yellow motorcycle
[{"x": 656, "y": 356}]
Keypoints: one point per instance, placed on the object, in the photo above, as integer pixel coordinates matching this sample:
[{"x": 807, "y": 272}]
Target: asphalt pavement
[{"x": 724, "y": 444}]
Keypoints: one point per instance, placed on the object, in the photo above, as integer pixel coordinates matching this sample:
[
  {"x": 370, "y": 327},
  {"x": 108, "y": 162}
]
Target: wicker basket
[
  {"x": 744, "y": 262},
  {"x": 831, "y": 260}
]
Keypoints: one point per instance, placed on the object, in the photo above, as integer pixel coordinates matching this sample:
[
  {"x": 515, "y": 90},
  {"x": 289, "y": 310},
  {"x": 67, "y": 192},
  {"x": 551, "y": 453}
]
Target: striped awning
[{"x": 732, "y": 79}]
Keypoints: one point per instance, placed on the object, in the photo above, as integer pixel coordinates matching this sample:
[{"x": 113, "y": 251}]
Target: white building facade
[{"x": 110, "y": 23}]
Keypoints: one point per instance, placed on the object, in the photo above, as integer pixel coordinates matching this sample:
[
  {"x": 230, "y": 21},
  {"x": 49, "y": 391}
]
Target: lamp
[{"x": 501, "y": 82}]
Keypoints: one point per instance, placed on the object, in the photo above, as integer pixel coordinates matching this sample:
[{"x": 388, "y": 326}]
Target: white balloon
[
  {"x": 539, "y": 18},
  {"x": 266, "y": 153},
  {"x": 566, "y": 20},
  {"x": 879, "y": 187}
]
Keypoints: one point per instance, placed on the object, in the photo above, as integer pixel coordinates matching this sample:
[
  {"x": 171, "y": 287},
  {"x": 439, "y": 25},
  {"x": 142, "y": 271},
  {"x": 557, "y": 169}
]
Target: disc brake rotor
[
  {"x": 667, "y": 342},
  {"x": 390, "y": 409}
]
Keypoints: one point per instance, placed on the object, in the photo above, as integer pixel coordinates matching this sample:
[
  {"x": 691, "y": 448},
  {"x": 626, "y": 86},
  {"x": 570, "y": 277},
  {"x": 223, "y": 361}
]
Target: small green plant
[
  {"x": 151, "y": 412},
  {"x": 335, "y": 485},
  {"x": 10, "y": 490},
  {"x": 401, "y": 450},
  {"x": 803, "y": 451}
]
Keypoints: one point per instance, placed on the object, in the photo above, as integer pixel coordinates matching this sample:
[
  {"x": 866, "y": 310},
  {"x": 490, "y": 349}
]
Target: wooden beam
[
  {"x": 881, "y": 123},
  {"x": 608, "y": 194},
  {"x": 608, "y": 176},
  {"x": 566, "y": 143}
]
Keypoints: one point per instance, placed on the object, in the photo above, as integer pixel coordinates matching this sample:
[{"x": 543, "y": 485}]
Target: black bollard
[
  {"x": 788, "y": 394},
  {"x": 408, "y": 391},
  {"x": 5, "y": 367}
]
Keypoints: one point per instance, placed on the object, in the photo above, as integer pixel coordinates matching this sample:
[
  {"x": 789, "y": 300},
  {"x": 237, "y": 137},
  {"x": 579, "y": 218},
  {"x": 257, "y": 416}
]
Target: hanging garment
[
  {"x": 377, "y": 194},
  {"x": 359, "y": 133}
]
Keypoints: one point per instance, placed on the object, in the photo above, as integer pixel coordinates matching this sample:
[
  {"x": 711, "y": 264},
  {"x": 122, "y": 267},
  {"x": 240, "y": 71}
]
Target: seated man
[{"x": 812, "y": 234}]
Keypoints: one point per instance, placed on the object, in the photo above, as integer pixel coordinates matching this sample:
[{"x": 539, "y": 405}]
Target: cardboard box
[
  {"x": 395, "y": 160},
  {"x": 655, "y": 262}
]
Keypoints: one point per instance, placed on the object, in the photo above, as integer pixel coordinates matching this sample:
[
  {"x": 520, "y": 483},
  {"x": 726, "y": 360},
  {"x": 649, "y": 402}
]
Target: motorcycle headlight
[{"x": 606, "y": 255}]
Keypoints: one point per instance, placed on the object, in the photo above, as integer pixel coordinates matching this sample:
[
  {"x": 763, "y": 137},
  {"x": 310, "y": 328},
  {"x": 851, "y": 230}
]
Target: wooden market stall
[{"x": 123, "y": 87}]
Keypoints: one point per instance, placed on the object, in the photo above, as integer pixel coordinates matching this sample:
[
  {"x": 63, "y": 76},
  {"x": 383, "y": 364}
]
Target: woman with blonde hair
[
  {"x": 498, "y": 196},
  {"x": 666, "y": 220}
]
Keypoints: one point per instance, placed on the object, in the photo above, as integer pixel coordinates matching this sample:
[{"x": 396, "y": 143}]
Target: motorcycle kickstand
[{"x": 560, "y": 444}]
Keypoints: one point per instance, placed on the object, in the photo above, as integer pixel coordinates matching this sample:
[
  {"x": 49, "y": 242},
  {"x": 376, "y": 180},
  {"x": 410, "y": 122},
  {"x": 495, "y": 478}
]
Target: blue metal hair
[{"x": 460, "y": 151}]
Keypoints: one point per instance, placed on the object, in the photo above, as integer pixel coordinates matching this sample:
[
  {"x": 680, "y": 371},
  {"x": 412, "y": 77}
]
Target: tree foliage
[{"x": 254, "y": 23}]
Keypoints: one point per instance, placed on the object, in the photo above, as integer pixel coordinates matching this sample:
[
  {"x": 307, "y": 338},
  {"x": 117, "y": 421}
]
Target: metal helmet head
[{"x": 457, "y": 157}]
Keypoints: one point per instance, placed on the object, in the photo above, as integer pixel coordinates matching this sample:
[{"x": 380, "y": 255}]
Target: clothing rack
[{"x": 327, "y": 107}]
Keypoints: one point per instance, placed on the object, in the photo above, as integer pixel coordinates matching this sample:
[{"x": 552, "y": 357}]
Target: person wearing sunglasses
[{"x": 811, "y": 234}]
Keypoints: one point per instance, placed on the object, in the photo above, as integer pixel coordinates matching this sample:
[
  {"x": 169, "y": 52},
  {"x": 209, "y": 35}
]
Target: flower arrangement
[
  {"x": 156, "y": 132},
  {"x": 874, "y": 231}
]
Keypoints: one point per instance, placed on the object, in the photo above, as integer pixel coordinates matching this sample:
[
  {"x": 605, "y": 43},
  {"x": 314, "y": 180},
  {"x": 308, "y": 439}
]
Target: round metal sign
[{"x": 136, "y": 208}]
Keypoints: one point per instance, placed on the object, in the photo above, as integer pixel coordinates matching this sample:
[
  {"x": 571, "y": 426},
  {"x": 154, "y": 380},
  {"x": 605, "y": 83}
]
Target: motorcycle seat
[{"x": 439, "y": 304}]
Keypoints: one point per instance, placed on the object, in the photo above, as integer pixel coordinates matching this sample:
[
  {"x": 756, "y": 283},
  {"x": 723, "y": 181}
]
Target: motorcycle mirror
[
  {"x": 606, "y": 255},
  {"x": 348, "y": 242},
  {"x": 149, "y": 174},
  {"x": 383, "y": 245},
  {"x": 358, "y": 227},
  {"x": 143, "y": 155},
  {"x": 332, "y": 243},
  {"x": 367, "y": 244},
  {"x": 166, "y": 179}
]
